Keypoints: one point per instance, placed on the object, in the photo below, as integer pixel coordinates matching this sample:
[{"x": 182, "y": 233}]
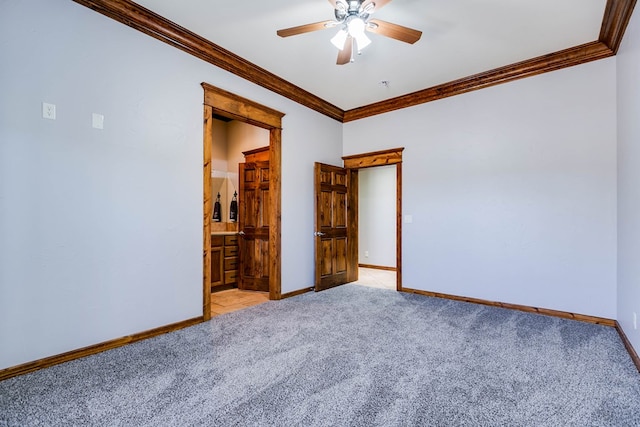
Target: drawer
[
  {"x": 230, "y": 277},
  {"x": 217, "y": 241},
  {"x": 230, "y": 251},
  {"x": 231, "y": 240},
  {"x": 231, "y": 263}
]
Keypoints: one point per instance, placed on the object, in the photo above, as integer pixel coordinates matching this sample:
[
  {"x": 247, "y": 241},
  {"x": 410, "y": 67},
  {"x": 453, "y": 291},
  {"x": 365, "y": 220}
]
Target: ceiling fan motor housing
[{"x": 351, "y": 8}]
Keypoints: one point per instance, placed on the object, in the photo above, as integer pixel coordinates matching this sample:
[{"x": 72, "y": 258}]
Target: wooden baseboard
[
  {"x": 545, "y": 311},
  {"x": 628, "y": 346},
  {"x": 377, "y": 267},
  {"x": 296, "y": 293},
  {"x": 47, "y": 362}
]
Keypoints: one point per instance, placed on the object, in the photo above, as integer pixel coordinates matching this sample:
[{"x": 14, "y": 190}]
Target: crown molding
[
  {"x": 531, "y": 67},
  {"x": 156, "y": 26},
  {"x": 615, "y": 20}
]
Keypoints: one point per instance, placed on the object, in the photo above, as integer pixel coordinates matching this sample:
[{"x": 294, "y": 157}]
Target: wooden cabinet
[
  {"x": 217, "y": 252},
  {"x": 230, "y": 261},
  {"x": 224, "y": 261}
]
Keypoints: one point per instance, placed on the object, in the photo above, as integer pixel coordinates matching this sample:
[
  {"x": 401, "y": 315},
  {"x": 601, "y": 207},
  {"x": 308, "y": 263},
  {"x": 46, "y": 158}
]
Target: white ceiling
[{"x": 460, "y": 38}]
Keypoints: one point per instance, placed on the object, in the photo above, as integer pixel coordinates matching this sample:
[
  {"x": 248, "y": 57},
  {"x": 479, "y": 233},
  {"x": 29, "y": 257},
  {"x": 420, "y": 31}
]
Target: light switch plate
[
  {"x": 48, "y": 111},
  {"x": 408, "y": 219},
  {"x": 97, "y": 121}
]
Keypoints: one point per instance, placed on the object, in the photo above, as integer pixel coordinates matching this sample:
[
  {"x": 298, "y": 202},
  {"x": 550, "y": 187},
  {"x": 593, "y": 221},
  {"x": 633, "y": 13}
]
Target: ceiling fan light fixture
[
  {"x": 356, "y": 26},
  {"x": 339, "y": 39},
  {"x": 368, "y": 9},
  {"x": 362, "y": 40}
]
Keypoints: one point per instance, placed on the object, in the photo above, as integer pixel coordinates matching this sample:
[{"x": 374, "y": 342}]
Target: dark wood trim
[
  {"x": 391, "y": 156},
  {"x": 543, "y": 64},
  {"x": 628, "y": 346},
  {"x": 236, "y": 107},
  {"x": 615, "y": 21},
  {"x": 154, "y": 25},
  {"x": 296, "y": 293},
  {"x": 207, "y": 211},
  {"x": 536, "y": 310},
  {"x": 226, "y": 104},
  {"x": 377, "y": 267},
  {"x": 47, "y": 362},
  {"x": 352, "y": 220},
  {"x": 372, "y": 159},
  {"x": 399, "y": 226},
  {"x": 275, "y": 213}
]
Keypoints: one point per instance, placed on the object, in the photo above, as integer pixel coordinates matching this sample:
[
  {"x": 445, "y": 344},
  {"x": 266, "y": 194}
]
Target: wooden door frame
[
  {"x": 222, "y": 103},
  {"x": 369, "y": 160}
]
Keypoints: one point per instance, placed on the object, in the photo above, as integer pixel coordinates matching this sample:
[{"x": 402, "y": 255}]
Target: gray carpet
[{"x": 350, "y": 356}]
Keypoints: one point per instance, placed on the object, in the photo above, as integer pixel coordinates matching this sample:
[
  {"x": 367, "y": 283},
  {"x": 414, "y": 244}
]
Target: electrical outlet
[
  {"x": 366, "y": 254},
  {"x": 635, "y": 320},
  {"x": 48, "y": 111}
]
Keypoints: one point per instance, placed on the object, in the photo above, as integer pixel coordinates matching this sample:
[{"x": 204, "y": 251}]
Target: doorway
[
  {"x": 377, "y": 227},
  {"x": 367, "y": 161},
  {"x": 220, "y": 103}
]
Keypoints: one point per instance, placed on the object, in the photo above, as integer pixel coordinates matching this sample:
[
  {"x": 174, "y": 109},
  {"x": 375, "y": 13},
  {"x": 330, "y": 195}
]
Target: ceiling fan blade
[
  {"x": 395, "y": 31},
  {"x": 344, "y": 56},
  {"x": 334, "y": 3},
  {"x": 301, "y": 29},
  {"x": 379, "y": 4}
]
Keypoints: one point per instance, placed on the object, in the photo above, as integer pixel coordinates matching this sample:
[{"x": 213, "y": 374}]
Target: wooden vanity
[{"x": 224, "y": 260}]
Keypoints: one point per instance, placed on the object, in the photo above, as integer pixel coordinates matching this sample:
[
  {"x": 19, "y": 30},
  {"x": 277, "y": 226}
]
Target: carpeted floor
[{"x": 350, "y": 356}]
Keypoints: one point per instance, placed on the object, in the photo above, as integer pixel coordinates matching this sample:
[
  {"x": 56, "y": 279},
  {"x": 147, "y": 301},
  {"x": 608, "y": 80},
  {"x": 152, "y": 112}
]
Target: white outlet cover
[
  {"x": 48, "y": 111},
  {"x": 97, "y": 121},
  {"x": 408, "y": 219}
]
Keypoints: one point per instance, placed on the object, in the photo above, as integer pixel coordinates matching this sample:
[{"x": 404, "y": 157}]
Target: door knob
[
  {"x": 319, "y": 234},
  {"x": 241, "y": 233}
]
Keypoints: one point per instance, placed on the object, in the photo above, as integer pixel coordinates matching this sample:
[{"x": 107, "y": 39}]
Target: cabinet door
[
  {"x": 216, "y": 266},
  {"x": 253, "y": 222}
]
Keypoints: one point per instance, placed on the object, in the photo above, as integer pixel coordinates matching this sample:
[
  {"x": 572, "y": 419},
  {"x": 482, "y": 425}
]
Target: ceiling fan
[{"x": 353, "y": 18}]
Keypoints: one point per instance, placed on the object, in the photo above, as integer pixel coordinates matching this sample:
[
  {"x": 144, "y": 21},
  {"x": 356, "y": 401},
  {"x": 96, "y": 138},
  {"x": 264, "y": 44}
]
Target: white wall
[
  {"x": 243, "y": 137},
  {"x": 512, "y": 190},
  {"x": 101, "y": 231},
  {"x": 377, "y": 216},
  {"x": 628, "y": 78}
]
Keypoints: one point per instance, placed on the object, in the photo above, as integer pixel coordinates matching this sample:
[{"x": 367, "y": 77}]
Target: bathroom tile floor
[{"x": 234, "y": 299}]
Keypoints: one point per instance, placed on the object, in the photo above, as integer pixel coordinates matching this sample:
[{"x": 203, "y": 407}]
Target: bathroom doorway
[{"x": 221, "y": 105}]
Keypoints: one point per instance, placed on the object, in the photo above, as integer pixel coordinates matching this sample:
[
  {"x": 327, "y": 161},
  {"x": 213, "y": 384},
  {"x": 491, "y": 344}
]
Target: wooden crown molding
[
  {"x": 531, "y": 67},
  {"x": 614, "y": 23},
  {"x": 154, "y": 25},
  {"x": 615, "y": 20}
]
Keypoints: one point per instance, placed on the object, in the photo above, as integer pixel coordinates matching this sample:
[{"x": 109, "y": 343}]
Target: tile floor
[
  {"x": 376, "y": 278},
  {"x": 234, "y": 299}
]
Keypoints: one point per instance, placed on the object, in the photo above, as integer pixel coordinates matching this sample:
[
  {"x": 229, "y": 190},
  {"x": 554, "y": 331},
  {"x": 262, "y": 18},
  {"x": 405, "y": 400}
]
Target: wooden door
[
  {"x": 253, "y": 223},
  {"x": 334, "y": 245}
]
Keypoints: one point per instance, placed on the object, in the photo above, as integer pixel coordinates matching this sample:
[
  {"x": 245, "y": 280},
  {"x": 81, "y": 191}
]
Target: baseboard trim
[
  {"x": 555, "y": 313},
  {"x": 628, "y": 346},
  {"x": 47, "y": 362},
  {"x": 377, "y": 267},
  {"x": 296, "y": 293}
]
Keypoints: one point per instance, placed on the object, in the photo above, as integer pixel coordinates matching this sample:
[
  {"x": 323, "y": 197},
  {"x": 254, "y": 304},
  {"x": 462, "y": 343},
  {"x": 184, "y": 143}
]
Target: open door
[
  {"x": 253, "y": 223},
  {"x": 334, "y": 245}
]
